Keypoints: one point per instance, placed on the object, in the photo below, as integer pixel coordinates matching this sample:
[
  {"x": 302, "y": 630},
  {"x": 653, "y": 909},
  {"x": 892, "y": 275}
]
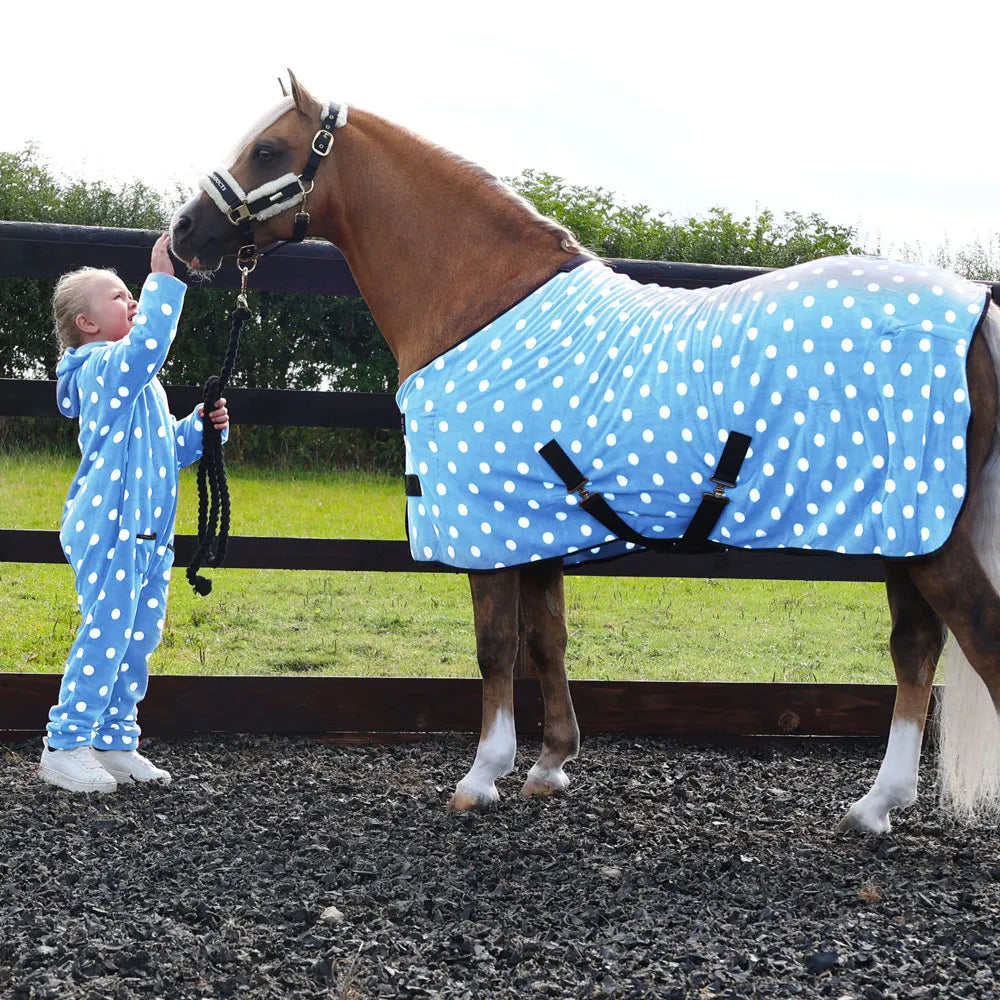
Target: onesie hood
[{"x": 68, "y": 389}]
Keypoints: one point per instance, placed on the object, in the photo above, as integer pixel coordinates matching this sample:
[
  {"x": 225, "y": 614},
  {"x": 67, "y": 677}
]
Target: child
[{"x": 118, "y": 522}]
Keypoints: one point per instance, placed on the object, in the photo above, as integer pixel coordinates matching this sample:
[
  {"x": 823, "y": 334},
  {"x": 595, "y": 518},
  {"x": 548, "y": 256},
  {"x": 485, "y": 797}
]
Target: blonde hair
[{"x": 70, "y": 298}]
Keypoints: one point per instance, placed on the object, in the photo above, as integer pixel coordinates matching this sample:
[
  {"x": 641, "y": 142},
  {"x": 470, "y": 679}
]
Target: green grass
[{"x": 393, "y": 624}]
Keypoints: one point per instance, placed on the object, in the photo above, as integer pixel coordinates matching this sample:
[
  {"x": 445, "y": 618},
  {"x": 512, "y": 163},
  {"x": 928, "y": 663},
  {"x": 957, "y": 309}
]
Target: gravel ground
[{"x": 669, "y": 871}]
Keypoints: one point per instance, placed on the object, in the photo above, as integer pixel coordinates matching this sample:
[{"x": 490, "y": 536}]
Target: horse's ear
[
  {"x": 281, "y": 83},
  {"x": 304, "y": 101}
]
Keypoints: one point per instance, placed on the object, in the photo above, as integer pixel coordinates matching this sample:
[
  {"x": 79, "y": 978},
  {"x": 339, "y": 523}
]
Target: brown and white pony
[{"x": 438, "y": 249}]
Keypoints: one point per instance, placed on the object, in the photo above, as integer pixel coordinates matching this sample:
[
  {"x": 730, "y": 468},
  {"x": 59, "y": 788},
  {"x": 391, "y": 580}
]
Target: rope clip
[{"x": 246, "y": 266}]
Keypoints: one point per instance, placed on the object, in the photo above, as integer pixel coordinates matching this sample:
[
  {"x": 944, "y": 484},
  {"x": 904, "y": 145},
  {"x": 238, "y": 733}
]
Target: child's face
[{"x": 111, "y": 312}]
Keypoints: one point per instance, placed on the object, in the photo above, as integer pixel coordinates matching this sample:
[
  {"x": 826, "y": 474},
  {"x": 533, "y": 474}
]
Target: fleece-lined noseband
[{"x": 243, "y": 209}]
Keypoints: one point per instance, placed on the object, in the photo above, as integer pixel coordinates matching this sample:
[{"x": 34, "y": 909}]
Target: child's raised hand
[{"x": 159, "y": 261}]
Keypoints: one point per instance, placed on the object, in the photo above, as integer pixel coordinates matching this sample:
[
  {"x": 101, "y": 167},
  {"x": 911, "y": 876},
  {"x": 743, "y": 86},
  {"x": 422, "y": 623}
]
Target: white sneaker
[
  {"x": 76, "y": 770},
  {"x": 130, "y": 765}
]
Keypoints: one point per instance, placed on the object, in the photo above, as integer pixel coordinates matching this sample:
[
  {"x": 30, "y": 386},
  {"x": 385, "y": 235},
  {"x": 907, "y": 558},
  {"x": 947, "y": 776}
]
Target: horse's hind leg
[
  {"x": 495, "y": 607},
  {"x": 961, "y": 583},
  {"x": 543, "y": 606},
  {"x": 915, "y": 643},
  {"x": 957, "y": 585}
]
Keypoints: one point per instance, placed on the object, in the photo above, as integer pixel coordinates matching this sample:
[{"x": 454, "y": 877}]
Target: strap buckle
[
  {"x": 322, "y": 142},
  {"x": 718, "y": 495},
  {"x": 239, "y": 213}
]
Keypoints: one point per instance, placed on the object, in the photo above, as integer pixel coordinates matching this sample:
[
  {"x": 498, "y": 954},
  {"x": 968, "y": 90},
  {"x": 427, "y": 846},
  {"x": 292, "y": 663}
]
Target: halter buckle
[
  {"x": 238, "y": 214},
  {"x": 322, "y": 142}
]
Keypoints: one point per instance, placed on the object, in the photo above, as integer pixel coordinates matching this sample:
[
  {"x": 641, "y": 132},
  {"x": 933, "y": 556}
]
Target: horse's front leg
[
  {"x": 543, "y": 606},
  {"x": 495, "y": 599},
  {"x": 916, "y": 642}
]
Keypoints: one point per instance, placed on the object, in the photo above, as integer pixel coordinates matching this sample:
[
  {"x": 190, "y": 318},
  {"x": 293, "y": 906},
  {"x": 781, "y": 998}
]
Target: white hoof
[
  {"x": 545, "y": 781},
  {"x": 863, "y": 821},
  {"x": 867, "y": 815},
  {"x": 467, "y": 798}
]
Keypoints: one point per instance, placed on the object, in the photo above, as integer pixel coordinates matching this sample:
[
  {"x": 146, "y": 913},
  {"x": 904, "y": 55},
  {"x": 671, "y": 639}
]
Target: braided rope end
[{"x": 202, "y": 584}]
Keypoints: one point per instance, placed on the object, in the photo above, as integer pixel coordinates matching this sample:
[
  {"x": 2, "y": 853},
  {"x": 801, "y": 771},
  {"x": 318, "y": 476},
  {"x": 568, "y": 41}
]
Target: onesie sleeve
[{"x": 188, "y": 438}]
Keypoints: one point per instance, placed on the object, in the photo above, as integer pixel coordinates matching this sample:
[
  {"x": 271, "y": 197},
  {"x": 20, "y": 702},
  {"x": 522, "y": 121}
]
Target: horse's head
[{"x": 271, "y": 170}]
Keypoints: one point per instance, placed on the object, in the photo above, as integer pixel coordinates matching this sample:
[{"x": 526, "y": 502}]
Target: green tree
[
  {"x": 612, "y": 229},
  {"x": 979, "y": 261},
  {"x": 291, "y": 341},
  {"x": 29, "y": 192}
]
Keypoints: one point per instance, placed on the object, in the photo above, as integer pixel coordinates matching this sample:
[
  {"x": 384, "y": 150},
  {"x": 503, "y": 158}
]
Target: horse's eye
[{"x": 262, "y": 153}]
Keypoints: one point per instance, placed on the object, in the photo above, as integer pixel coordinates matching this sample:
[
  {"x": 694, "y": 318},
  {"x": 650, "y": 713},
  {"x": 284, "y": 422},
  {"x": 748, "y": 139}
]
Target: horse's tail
[{"x": 968, "y": 725}]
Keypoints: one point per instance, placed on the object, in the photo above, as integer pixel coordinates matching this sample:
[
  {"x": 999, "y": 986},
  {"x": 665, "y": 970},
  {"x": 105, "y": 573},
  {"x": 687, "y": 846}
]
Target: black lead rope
[{"x": 213, "y": 488}]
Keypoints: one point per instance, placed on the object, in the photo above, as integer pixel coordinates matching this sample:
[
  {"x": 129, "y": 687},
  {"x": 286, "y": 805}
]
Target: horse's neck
[{"x": 437, "y": 249}]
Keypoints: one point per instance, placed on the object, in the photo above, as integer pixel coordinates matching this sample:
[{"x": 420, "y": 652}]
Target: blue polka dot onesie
[{"x": 118, "y": 521}]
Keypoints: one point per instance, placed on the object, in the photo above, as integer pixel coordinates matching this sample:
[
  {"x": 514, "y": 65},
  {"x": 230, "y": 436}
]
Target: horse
[{"x": 440, "y": 249}]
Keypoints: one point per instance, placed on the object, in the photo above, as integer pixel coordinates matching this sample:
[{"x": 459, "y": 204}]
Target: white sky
[{"x": 876, "y": 113}]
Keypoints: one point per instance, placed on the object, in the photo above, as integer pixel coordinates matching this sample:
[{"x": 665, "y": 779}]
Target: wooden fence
[{"x": 398, "y": 705}]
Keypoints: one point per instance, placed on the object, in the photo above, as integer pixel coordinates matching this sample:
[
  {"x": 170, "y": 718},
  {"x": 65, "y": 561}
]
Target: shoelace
[{"x": 88, "y": 761}]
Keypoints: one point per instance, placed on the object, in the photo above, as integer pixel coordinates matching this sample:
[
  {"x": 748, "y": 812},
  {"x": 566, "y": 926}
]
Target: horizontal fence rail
[
  {"x": 403, "y": 705},
  {"x": 40, "y": 250},
  {"x": 389, "y": 556},
  {"x": 315, "y": 706},
  {"x": 272, "y": 407}
]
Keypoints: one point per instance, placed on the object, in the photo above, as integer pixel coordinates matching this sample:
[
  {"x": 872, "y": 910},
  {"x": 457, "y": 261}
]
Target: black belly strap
[{"x": 695, "y": 537}]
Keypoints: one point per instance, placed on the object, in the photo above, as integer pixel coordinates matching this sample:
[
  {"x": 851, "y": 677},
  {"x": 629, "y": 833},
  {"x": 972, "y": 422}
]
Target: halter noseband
[{"x": 243, "y": 209}]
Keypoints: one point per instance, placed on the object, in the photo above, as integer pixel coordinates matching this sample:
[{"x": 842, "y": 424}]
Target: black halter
[{"x": 243, "y": 209}]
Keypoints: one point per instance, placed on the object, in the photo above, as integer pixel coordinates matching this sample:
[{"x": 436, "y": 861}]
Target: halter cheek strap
[{"x": 275, "y": 196}]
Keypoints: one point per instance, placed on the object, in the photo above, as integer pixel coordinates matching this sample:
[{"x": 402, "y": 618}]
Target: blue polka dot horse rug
[{"x": 823, "y": 406}]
